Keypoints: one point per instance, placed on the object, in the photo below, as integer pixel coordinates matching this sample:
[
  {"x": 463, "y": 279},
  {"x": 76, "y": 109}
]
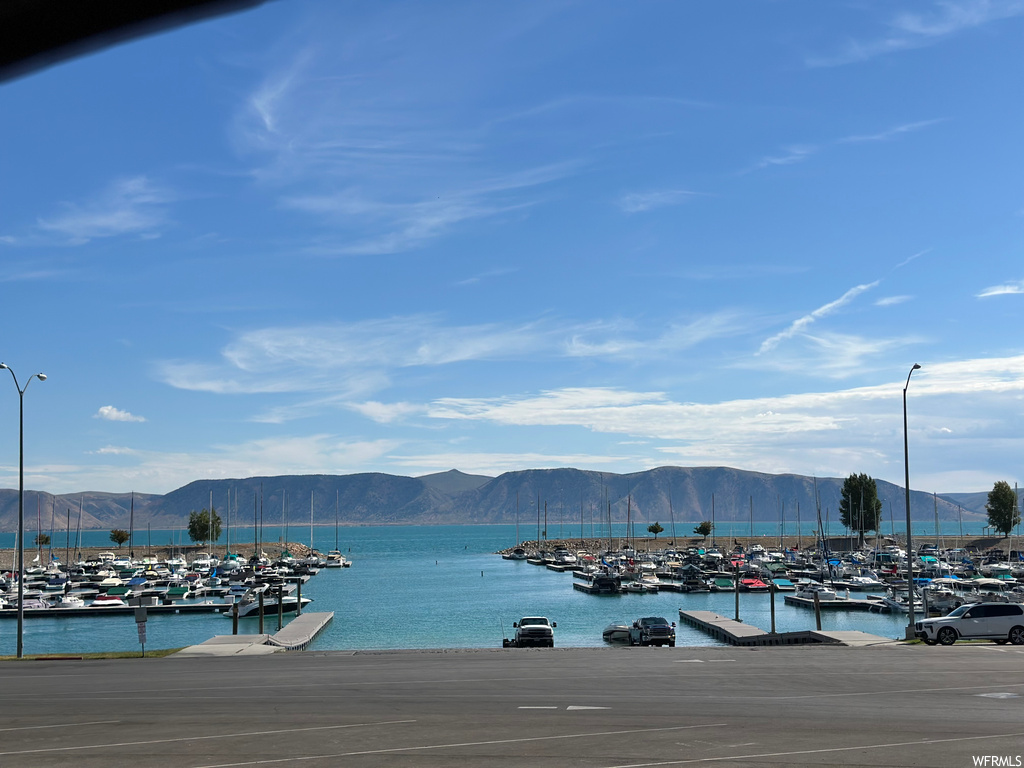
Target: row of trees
[
  {"x": 703, "y": 529},
  {"x": 202, "y": 526},
  {"x": 861, "y": 510}
]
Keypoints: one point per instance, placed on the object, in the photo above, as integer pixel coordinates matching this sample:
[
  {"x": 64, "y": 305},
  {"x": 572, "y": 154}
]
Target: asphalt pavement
[{"x": 889, "y": 705}]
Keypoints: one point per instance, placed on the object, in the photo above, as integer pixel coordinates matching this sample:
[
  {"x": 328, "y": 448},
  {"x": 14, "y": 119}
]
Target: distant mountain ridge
[{"x": 563, "y": 497}]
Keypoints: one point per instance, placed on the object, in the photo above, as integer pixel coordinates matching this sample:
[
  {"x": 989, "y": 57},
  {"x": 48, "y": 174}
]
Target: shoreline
[
  {"x": 976, "y": 544},
  {"x": 8, "y": 557}
]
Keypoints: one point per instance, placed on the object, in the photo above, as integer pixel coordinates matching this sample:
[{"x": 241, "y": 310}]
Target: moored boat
[{"x": 616, "y": 632}]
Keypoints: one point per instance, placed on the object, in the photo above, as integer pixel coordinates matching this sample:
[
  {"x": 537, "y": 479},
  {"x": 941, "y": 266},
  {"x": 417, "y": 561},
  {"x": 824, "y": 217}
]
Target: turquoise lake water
[{"x": 430, "y": 587}]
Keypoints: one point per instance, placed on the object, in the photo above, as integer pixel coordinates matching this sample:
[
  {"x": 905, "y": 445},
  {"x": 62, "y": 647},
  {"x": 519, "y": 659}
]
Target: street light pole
[
  {"x": 910, "y": 547},
  {"x": 21, "y": 501}
]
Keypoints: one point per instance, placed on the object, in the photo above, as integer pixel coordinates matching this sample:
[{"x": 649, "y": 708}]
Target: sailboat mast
[
  {"x": 517, "y": 518},
  {"x": 227, "y": 531},
  {"x": 337, "y": 500},
  {"x": 751, "y": 520},
  {"x": 78, "y": 531},
  {"x": 712, "y": 519},
  {"x": 582, "y": 535},
  {"x": 131, "y": 529},
  {"x": 671, "y": 515},
  {"x": 53, "y": 502},
  {"x": 311, "y": 522}
]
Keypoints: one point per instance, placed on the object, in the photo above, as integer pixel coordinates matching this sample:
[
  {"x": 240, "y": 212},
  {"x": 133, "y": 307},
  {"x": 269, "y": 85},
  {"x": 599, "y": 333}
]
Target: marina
[{"x": 425, "y": 587}]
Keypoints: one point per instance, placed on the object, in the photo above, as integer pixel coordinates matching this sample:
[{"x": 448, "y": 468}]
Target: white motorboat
[
  {"x": 249, "y": 605},
  {"x": 616, "y": 633},
  {"x": 69, "y": 601},
  {"x": 808, "y": 591},
  {"x": 335, "y": 560}
]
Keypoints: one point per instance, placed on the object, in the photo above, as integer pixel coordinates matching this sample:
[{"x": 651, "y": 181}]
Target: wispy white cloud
[
  {"x": 110, "y": 413},
  {"x": 351, "y": 360},
  {"x": 911, "y": 258},
  {"x": 790, "y": 156},
  {"x": 800, "y": 153},
  {"x": 830, "y": 354},
  {"x": 637, "y": 202},
  {"x": 115, "y": 450},
  {"x": 890, "y": 133},
  {"x": 624, "y": 342},
  {"x": 1013, "y": 287},
  {"x": 892, "y": 301},
  {"x": 381, "y": 171},
  {"x": 491, "y": 273},
  {"x": 26, "y": 274},
  {"x": 831, "y": 431},
  {"x": 348, "y": 362},
  {"x": 161, "y": 472},
  {"x": 134, "y": 206},
  {"x": 908, "y": 31},
  {"x": 400, "y": 226},
  {"x": 386, "y": 413},
  {"x": 803, "y": 323}
]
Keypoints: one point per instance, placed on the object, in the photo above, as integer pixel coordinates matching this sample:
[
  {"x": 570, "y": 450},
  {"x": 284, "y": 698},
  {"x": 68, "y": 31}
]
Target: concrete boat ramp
[
  {"x": 295, "y": 636},
  {"x": 737, "y": 633}
]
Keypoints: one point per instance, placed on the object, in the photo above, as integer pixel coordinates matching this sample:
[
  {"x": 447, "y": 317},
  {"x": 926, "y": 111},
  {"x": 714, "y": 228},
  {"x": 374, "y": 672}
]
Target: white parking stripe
[{"x": 60, "y": 725}]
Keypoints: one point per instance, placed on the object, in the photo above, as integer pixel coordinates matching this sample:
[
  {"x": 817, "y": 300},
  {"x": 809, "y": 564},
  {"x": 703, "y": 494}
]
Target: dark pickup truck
[{"x": 653, "y": 630}]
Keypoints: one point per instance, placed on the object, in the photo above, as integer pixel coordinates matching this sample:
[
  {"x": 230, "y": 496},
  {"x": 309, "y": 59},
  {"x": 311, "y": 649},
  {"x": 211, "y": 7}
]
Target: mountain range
[{"x": 562, "y": 497}]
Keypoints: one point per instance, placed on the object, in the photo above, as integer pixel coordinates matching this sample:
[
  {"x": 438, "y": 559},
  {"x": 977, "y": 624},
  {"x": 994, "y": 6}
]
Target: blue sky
[{"x": 335, "y": 237}]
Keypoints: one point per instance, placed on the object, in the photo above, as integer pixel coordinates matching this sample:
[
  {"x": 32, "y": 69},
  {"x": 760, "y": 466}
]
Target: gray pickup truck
[{"x": 653, "y": 630}]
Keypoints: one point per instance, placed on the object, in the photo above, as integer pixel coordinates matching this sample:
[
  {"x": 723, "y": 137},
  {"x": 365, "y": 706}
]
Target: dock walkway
[
  {"x": 295, "y": 636},
  {"x": 737, "y": 633},
  {"x": 300, "y": 631}
]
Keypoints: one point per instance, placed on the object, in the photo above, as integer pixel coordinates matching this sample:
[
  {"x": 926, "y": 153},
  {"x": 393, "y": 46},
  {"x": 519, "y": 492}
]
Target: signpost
[{"x": 140, "y": 623}]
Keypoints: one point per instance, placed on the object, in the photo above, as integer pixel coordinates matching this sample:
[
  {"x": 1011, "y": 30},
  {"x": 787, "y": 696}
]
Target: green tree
[
  {"x": 204, "y": 526},
  {"x": 42, "y": 539},
  {"x": 860, "y": 509},
  {"x": 704, "y": 529},
  {"x": 655, "y": 528},
  {"x": 1002, "y": 509},
  {"x": 119, "y": 536}
]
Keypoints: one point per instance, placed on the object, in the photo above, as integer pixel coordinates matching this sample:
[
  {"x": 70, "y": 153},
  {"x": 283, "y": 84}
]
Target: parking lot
[{"x": 614, "y": 707}]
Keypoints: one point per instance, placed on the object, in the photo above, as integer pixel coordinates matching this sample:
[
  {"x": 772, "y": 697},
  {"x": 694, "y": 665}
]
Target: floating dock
[
  {"x": 842, "y": 604},
  {"x": 734, "y": 632},
  {"x": 115, "y": 610},
  {"x": 295, "y": 636},
  {"x": 300, "y": 631}
]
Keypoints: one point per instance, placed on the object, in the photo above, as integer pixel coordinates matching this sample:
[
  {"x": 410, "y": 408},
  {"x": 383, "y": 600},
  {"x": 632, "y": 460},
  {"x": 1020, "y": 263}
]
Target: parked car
[
  {"x": 1001, "y": 622},
  {"x": 653, "y": 630},
  {"x": 534, "y": 630}
]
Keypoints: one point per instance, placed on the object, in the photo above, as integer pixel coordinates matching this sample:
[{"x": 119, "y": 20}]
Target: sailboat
[{"x": 334, "y": 558}]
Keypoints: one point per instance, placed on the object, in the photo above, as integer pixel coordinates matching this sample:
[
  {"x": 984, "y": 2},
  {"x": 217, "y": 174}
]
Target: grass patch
[{"x": 150, "y": 654}]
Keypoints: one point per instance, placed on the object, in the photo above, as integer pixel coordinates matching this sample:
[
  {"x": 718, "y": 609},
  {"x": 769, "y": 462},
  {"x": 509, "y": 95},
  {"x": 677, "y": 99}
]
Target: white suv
[{"x": 1001, "y": 622}]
